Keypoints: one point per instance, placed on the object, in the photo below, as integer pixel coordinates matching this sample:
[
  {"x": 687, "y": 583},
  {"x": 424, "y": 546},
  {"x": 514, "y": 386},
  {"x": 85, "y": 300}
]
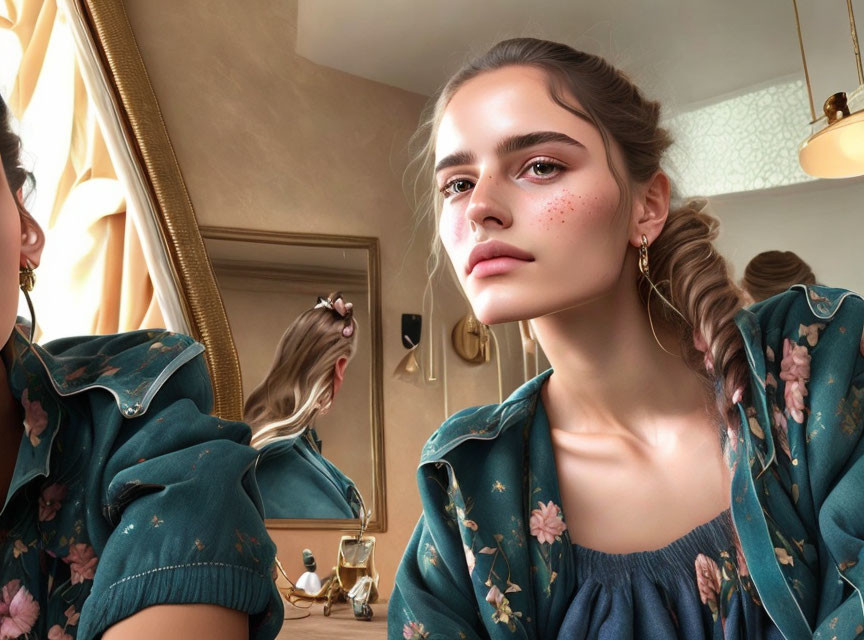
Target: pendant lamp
[{"x": 835, "y": 148}]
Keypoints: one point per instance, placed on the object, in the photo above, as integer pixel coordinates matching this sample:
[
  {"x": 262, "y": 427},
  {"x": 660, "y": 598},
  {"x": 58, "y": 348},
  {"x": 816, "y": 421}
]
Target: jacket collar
[
  {"x": 131, "y": 367},
  {"x": 488, "y": 422},
  {"x": 483, "y": 423}
]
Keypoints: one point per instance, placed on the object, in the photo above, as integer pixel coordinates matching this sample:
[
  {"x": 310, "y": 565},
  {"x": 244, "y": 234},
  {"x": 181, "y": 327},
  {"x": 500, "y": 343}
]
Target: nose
[{"x": 487, "y": 207}]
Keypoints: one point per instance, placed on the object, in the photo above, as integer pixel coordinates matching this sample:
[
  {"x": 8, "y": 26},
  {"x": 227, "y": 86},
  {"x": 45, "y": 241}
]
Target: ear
[
  {"x": 32, "y": 236},
  {"x": 339, "y": 373},
  {"x": 650, "y": 208}
]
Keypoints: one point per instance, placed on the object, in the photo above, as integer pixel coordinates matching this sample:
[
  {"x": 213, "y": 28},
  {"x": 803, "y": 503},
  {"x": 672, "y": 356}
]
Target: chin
[{"x": 497, "y": 307}]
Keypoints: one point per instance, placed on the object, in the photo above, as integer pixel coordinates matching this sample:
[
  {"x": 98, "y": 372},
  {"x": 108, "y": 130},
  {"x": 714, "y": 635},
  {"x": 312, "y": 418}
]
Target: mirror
[{"x": 266, "y": 280}]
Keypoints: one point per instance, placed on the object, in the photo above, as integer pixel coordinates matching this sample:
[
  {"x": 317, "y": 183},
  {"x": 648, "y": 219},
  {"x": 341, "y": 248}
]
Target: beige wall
[
  {"x": 823, "y": 222},
  {"x": 268, "y": 140}
]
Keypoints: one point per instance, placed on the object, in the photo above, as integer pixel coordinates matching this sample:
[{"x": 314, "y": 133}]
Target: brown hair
[
  {"x": 684, "y": 264},
  {"x": 10, "y": 151},
  {"x": 300, "y": 381},
  {"x": 772, "y": 272}
]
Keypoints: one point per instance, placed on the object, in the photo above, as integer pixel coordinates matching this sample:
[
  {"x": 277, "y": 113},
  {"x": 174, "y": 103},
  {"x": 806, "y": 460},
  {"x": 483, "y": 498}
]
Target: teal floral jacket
[
  {"x": 297, "y": 481},
  {"x": 491, "y": 556},
  {"x": 126, "y": 493}
]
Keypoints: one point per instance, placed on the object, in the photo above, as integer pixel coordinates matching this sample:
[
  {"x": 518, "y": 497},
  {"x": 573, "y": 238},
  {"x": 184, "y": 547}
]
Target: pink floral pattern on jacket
[
  {"x": 82, "y": 562},
  {"x": 546, "y": 523},
  {"x": 35, "y": 418},
  {"x": 18, "y": 610},
  {"x": 795, "y": 370}
]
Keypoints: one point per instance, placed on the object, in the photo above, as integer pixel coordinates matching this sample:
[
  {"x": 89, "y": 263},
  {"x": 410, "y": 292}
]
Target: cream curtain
[{"x": 93, "y": 277}]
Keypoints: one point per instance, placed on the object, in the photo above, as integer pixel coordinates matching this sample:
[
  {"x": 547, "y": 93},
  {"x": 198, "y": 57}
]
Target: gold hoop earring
[
  {"x": 643, "y": 258},
  {"x": 26, "y": 281},
  {"x": 644, "y": 269}
]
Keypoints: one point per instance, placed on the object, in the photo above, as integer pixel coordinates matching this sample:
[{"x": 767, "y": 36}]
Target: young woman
[
  {"x": 295, "y": 479},
  {"x": 125, "y": 511},
  {"x": 596, "y": 501}
]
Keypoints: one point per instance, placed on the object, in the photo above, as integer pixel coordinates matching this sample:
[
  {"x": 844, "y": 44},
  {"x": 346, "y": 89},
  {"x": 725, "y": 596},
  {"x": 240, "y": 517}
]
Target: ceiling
[{"x": 683, "y": 52}]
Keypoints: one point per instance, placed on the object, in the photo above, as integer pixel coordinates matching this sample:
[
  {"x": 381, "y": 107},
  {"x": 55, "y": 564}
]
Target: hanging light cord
[
  {"x": 804, "y": 60},
  {"x": 855, "y": 48}
]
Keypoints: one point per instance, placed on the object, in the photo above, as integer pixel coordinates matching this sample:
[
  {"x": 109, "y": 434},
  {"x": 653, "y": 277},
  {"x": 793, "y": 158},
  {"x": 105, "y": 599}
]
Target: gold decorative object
[
  {"x": 408, "y": 369},
  {"x": 355, "y": 569},
  {"x": 835, "y": 148},
  {"x": 470, "y": 339}
]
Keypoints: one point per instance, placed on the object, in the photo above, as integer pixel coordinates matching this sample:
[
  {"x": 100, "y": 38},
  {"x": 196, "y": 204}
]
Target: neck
[{"x": 609, "y": 371}]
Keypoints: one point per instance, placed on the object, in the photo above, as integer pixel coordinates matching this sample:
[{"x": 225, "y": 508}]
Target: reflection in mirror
[
  {"x": 320, "y": 447},
  {"x": 308, "y": 370}
]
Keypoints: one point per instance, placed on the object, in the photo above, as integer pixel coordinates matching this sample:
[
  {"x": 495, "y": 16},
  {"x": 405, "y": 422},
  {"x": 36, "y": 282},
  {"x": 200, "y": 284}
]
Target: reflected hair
[
  {"x": 299, "y": 383},
  {"x": 685, "y": 265},
  {"x": 772, "y": 272}
]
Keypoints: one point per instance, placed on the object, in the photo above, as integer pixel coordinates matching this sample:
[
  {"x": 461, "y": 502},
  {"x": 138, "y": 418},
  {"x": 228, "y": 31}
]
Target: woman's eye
[
  {"x": 543, "y": 169},
  {"x": 456, "y": 186}
]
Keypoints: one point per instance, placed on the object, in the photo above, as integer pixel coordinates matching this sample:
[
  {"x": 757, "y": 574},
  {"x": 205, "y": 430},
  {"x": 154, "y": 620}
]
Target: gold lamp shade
[{"x": 837, "y": 151}]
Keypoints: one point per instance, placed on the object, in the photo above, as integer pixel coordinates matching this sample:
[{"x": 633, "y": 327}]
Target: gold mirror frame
[
  {"x": 378, "y": 504},
  {"x": 106, "y": 25}
]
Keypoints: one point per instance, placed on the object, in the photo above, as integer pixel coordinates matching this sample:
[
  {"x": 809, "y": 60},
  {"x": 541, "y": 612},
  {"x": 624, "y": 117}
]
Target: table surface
[{"x": 339, "y": 624}]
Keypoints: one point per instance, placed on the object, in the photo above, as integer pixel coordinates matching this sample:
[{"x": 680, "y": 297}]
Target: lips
[{"x": 494, "y": 249}]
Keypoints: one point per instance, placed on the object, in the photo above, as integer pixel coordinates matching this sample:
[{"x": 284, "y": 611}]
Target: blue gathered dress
[
  {"x": 666, "y": 593},
  {"x": 655, "y": 594}
]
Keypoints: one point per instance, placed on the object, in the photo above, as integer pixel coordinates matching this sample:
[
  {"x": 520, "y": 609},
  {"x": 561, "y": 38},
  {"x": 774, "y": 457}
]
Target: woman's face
[
  {"x": 531, "y": 217},
  {"x": 10, "y": 258}
]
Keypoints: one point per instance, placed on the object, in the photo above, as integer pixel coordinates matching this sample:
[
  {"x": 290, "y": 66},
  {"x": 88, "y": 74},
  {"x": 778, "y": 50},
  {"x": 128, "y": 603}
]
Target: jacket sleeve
[
  {"x": 433, "y": 598},
  {"x": 181, "y": 518},
  {"x": 811, "y": 483},
  {"x": 835, "y": 459}
]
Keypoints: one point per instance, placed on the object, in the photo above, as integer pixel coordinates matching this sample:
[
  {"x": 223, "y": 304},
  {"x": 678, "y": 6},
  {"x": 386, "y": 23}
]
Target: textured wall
[{"x": 742, "y": 143}]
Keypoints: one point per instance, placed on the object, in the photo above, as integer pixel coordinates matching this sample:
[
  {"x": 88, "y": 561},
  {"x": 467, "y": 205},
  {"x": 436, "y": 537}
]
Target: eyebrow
[{"x": 509, "y": 145}]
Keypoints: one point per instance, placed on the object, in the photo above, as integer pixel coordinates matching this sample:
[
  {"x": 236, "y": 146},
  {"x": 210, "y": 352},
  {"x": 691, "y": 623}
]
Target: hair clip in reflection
[
  {"x": 339, "y": 306},
  {"x": 342, "y": 307}
]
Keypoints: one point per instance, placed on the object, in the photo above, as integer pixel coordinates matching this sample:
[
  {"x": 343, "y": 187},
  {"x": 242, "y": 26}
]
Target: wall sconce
[
  {"x": 473, "y": 342},
  {"x": 470, "y": 339},
  {"x": 835, "y": 148},
  {"x": 408, "y": 369}
]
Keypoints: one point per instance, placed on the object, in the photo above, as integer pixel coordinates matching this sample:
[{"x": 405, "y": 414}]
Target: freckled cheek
[{"x": 568, "y": 208}]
